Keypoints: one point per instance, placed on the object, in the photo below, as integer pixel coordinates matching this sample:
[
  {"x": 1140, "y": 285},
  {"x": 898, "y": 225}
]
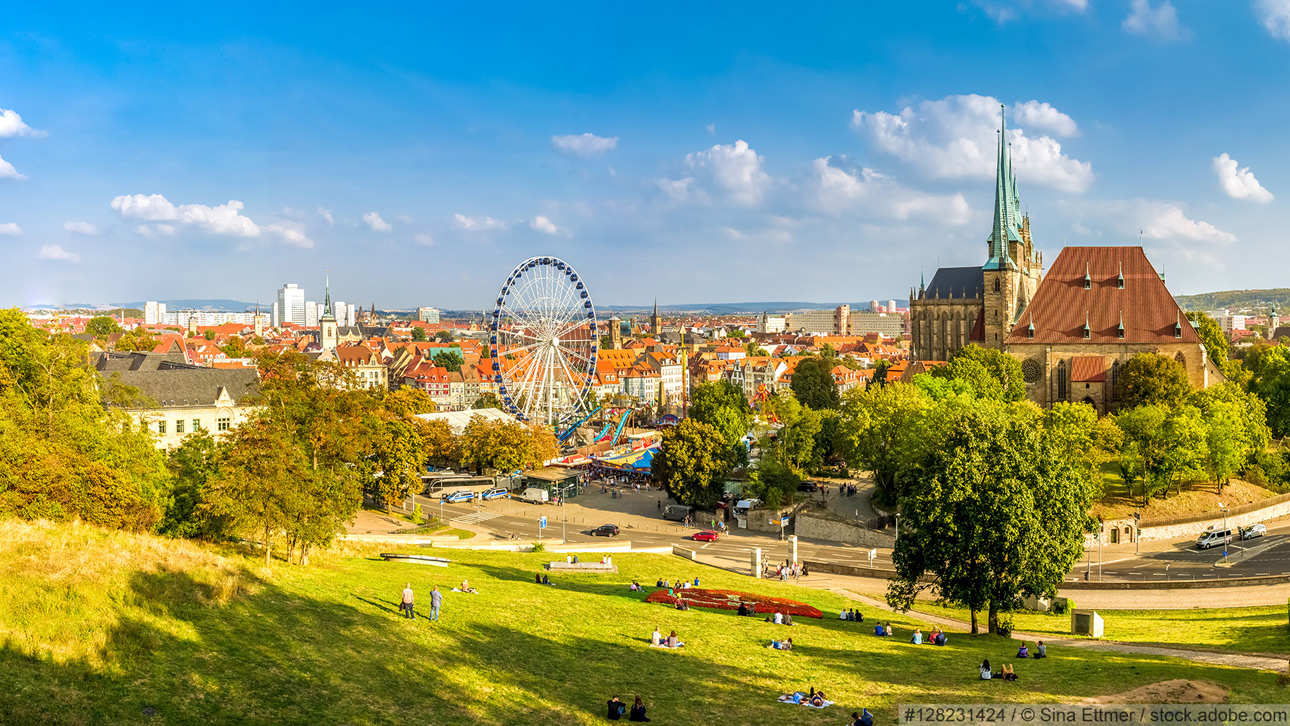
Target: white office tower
[
  {"x": 311, "y": 314},
  {"x": 291, "y": 305},
  {"x": 874, "y": 307},
  {"x": 154, "y": 312},
  {"x": 353, "y": 315},
  {"x": 891, "y": 306},
  {"x": 275, "y": 320},
  {"x": 341, "y": 312}
]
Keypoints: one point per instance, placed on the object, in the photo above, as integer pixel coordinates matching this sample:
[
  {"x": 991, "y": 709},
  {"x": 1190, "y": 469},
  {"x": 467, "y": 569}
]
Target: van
[
  {"x": 1211, "y": 537},
  {"x": 533, "y": 495},
  {"x": 677, "y": 512}
]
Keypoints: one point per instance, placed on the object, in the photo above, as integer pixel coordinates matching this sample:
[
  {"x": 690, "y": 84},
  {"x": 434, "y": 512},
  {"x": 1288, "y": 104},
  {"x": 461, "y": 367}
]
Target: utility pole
[{"x": 564, "y": 537}]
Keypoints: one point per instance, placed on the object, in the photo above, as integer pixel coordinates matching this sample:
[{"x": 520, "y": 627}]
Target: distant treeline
[{"x": 1258, "y": 300}]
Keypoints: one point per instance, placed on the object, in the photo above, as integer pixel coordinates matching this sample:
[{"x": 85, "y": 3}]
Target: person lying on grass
[
  {"x": 782, "y": 644},
  {"x": 864, "y": 718},
  {"x": 1007, "y": 673}
]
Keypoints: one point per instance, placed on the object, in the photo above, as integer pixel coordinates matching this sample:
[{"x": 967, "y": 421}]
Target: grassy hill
[
  {"x": 105, "y": 627},
  {"x": 1278, "y": 298}
]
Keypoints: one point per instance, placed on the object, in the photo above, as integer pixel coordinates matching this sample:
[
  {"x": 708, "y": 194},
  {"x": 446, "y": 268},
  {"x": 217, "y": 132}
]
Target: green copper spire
[
  {"x": 327, "y": 287},
  {"x": 1005, "y": 205}
]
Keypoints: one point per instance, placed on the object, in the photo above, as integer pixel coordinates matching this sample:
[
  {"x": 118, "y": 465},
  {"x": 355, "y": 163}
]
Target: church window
[
  {"x": 1031, "y": 370},
  {"x": 996, "y": 285},
  {"x": 1061, "y": 381},
  {"x": 1181, "y": 359},
  {"x": 1115, "y": 380}
]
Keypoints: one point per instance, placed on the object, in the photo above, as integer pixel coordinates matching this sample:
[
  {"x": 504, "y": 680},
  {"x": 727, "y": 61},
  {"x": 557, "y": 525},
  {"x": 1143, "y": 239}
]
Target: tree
[
  {"x": 692, "y": 463},
  {"x": 191, "y": 466},
  {"x": 1162, "y": 446},
  {"x": 990, "y": 374},
  {"x": 1237, "y": 430},
  {"x": 721, "y": 404},
  {"x": 1211, "y": 334},
  {"x": 828, "y": 351},
  {"x": 813, "y": 383},
  {"x": 440, "y": 444},
  {"x": 235, "y": 348},
  {"x": 443, "y": 335},
  {"x": 136, "y": 340},
  {"x": 101, "y": 326},
  {"x": 393, "y": 469},
  {"x": 209, "y": 334},
  {"x": 1269, "y": 367},
  {"x": 773, "y": 481},
  {"x": 751, "y": 349},
  {"x": 487, "y": 399},
  {"x": 504, "y": 445},
  {"x": 408, "y": 401},
  {"x": 879, "y": 431},
  {"x": 993, "y": 511},
  {"x": 1082, "y": 438},
  {"x": 450, "y": 359},
  {"x": 419, "y": 334},
  {"x": 1151, "y": 379}
]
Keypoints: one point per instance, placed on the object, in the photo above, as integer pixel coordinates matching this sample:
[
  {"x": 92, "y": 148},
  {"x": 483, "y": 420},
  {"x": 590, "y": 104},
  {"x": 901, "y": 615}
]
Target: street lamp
[
  {"x": 1223, "y": 508},
  {"x": 897, "y": 526},
  {"x": 564, "y": 537}
]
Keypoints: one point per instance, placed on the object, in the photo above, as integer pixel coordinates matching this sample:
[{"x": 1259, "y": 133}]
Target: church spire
[
  {"x": 1005, "y": 204},
  {"x": 327, "y": 287}
]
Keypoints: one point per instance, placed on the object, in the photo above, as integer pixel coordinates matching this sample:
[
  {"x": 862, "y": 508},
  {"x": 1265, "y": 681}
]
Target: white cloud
[
  {"x": 292, "y": 233},
  {"x": 1275, "y": 17},
  {"x": 736, "y": 168},
  {"x": 1165, "y": 221},
  {"x": 839, "y": 190},
  {"x": 956, "y": 137},
  {"x": 425, "y": 239},
  {"x": 544, "y": 225},
  {"x": 477, "y": 224},
  {"x": 326, "y": 215},
  {"x": 78, "y": 227},
  {"x": 584, "y": 145},
  {"x": 1001, "y": 11},
  {"x": 152, "y": 230},
  {"x": 678, "y": 190},
  {"x": 1161, "y": 20},
  {"x": 712, "y": 128},
  {"x": 224, "y": 219},
  {"x": 11, "y": 124},
  {"x": 375, "y": 222},
  {"x": 55, "y": 252},
  {"x": 10, "y": 229},
  {"x": 1239, "y": 183},
  {"x": 8, "y": 172}
]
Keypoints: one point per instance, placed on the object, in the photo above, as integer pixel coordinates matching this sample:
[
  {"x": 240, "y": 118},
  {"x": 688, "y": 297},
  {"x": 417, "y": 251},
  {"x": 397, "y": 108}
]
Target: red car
[{"x": 706, "y": 535}]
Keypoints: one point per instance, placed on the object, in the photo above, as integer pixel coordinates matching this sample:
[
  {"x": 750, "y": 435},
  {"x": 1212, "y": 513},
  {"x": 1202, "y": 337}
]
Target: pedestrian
[
  {"x": 436, "y": 599},
  {"x": 660, "y": 505},
  {"x": 406, "y": 604}
]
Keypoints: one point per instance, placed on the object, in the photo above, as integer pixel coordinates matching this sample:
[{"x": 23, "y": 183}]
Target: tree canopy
[
  {"x": 692, "y": 462},
  {"x": 721, "y": 404},
  {"x": 101, "y": 326},
  {"x": 1151, "y": 379},
  {"x": 450, "y": 359},
  {"x": 987, "y": 373},
  {"x": 813, "y": 383}
]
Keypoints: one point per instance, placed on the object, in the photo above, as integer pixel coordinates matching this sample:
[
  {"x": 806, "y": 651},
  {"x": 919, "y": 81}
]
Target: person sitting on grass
[
  {"x": 986, "y": 674},
  {"x": 1008, "y": 674},
  {"x": 889, "y": 632},
  {"x": 537, "y": 578},
  {"x": 1041, "y": 651},
  {"x": 844, "y": 615},
  {"x": 940, "y": 638},
  {"x": 682, "y": 605},
  {"x": 857, "y": 616},
  {"x": 635, "y": 586},
  {"x": 879, "y": 631},
  {"x": 616, "y": 709},
  {"x": 656, "y": 638},
  {"x": 659, "y": 583},
  {"x": 1023, "y": 651},
  {"x": 788, "y": 618},
  {"x": 673, "y": 641},
  {"x": 638, "y": 711},
  {"x": 743, "y": 608},
  {"x": 546, "y": 580},
  {"x": 465, "y": 587},
  {"x": 918, "y": 637}
]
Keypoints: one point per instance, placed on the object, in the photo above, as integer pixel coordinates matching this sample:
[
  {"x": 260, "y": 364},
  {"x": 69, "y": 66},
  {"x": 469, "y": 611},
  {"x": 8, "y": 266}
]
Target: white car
[{"x": 1254, "y": 530}]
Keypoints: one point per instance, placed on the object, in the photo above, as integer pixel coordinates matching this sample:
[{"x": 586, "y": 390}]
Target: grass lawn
[{"x": 99, "y": 626}]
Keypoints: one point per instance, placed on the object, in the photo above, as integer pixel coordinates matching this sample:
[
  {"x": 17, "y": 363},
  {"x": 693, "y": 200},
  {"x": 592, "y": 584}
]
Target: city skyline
[{"x": 693, "y": 154}]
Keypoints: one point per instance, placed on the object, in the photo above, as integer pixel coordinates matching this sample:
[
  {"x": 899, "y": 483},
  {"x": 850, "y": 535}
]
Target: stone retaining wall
[
  {"x": 813, "y": 526},
  {"x": 1242, "y": 516}
]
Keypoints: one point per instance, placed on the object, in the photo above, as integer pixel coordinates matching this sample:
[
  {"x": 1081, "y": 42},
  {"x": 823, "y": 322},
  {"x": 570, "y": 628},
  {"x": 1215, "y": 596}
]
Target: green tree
[
  {"x": 1211, "y": 334},
  {"x": 773, "y": 481},
  {"x": 1151, "y": 379},
  {"x": 692, "y": 463},
  {"x": 828, "y": 351},
  {"x": 487, "y": 399},
  {"x": 504, "y": 445},
  {"x": 1237, "y": 430},
  {"x": 209, "y": 334},
  {"x": 990, "y": 374},
  {"x": 102, "y": 326},
  {"x": 880, "y": 430},
  {"x": 721, "y": 404},
  {"x": 136, "y": 340},
  {"x": 419, "y": 335},
  {"x": 753, "y": 350},
  {"x": 813, "y": 383},
  {"x": 398, "y": 455},
  {"x": 1082, "y": 438},
  {"x": 993, "y": 511},
  {"x": 450, "y": 359},
  {"x": 1269, "y": 367},
  {"x": 1162, "y": 446},
  {"x": 443, "y": 335},
  {"x": 235, "y": 348},
  {"x": 191, "y": 466}
]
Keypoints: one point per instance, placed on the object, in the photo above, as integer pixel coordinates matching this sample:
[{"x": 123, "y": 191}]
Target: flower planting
[{"x": 730, "y": 599}]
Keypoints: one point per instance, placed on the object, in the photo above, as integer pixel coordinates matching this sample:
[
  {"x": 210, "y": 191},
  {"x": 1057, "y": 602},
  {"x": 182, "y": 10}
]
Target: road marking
[{"x": 476, "y": 517}]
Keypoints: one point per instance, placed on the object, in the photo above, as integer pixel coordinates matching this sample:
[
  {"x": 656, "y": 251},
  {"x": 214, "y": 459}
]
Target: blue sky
[{"x": 731, "y": 152}]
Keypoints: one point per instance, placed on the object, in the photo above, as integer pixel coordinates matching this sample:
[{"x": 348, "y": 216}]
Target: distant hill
[
  {"x": 735, "y": 308},
  {"x": 1258, "y": 300},
  {"x": 234, "y": 306}
]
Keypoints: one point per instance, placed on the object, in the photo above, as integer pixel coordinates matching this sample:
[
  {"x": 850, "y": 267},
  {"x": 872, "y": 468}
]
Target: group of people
[
  {"x": 1006, "y": 673},
  {"x": 785, "y": 570},
  {"x": 1041, "y": 650},
  {"x": 779, "y": 618},
  {"x": 541, "y": 578},
  {"x": 671, "y": 641},
  {"x": 680, "y": 584},
  {"x": 617, "y": 708},
  {"x": 851, "y": 615},
  {"x": 406, "y": 602},
  {"x": 786, "y": 644},
  {"x": 814, "y": 698},
  {"x": 883, "y": 630}
]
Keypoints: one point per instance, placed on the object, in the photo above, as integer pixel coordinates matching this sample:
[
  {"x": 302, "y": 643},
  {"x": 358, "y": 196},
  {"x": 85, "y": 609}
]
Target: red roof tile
[{"x": 1088, "y": 369}]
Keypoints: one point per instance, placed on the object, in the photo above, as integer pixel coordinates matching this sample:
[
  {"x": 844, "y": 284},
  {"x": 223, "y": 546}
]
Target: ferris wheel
[{"x": 543, "y": 341}]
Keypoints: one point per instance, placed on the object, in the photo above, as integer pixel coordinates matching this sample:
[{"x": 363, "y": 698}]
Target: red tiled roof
[
  {"x": 1088, "y": 369},
  {"x": 1061, "y": 303}
]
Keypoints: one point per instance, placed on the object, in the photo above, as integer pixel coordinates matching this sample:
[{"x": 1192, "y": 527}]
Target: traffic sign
[
  {"x": 1225, "y": 553},
  {"x": 542, "y": 522}
]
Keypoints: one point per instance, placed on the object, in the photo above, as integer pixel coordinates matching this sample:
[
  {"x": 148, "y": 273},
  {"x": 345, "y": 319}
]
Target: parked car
[
  {"x": 461, "y": 495},
  {"x": 535, "y": 495},
  {"x": 706, "y": 535},
  {"x": 605, "y": 530},
  {"x": 496, "y": 493},
  {"x": 1213, "y": 536},
  {"x": 807, "y": 486},
  {"x": 1254, "y": 530},
  {"x": 677, "y": 512}
]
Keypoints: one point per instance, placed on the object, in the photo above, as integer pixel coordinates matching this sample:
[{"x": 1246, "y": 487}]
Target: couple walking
[{"x": 436, "y": 599}]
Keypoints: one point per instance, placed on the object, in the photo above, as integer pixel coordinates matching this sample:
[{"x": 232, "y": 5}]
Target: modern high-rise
[
  {"x": 428, "y": 315},
  {"x": 291, "y": 305},
  {"x": 154, "y": 312},
  {"x": 311, "y": 314}
]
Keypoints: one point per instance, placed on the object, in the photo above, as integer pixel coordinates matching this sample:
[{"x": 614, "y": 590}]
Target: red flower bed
[{"x": 730, "y": 599}]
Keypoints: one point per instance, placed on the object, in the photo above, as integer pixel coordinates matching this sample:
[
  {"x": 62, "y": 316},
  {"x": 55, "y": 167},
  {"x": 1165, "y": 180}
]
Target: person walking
[
  {"x": 436, "y": 599},
  {"x": 406, "y": 604}
]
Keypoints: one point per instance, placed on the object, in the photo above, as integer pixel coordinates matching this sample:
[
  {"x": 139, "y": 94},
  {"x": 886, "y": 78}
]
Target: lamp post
[
  {"x": 564, "y": 537},
  {"x": 1223, "y": 508},
  {"x": 897, "y": 526}
]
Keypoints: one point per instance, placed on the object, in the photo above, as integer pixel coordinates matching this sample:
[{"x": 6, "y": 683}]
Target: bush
[
  {"x": 1005, "y": 626},
  {"x": 538, "y": 547},
  {"x": 1060, "y": 606}
]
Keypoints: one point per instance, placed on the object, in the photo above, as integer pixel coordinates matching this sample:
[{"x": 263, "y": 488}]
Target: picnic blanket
[
  {"x": 805, "y": 702},
  {"x": 664, "y": 647}
]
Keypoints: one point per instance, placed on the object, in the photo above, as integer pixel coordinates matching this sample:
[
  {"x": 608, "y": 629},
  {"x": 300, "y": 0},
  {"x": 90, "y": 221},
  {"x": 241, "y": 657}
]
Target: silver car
[{"x": 1254, "y": 530}]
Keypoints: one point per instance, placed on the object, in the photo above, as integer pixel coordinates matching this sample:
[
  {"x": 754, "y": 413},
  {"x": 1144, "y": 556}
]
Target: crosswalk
[{"x": 475, "y": 517}]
